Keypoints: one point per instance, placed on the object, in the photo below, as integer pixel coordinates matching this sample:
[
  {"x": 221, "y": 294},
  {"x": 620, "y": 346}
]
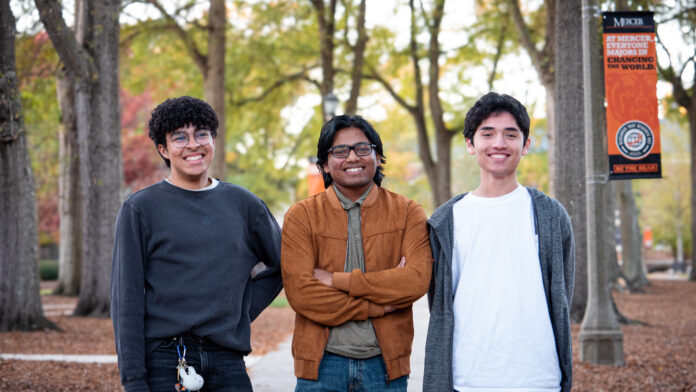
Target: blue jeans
[
  {"x": 222, "y": 369},
  {"x": 342, "y": 374}
]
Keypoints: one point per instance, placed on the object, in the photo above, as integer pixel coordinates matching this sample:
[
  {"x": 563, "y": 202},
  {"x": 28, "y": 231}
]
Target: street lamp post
[
  {"x": 330, "y": 105},
  {"x": 315, "y": 181},
  {"x": 601, "y": 339}
]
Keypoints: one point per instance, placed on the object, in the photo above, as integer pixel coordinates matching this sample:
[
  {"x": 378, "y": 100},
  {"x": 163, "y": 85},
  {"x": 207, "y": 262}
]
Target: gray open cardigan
[{"x": 557, "y": 258}]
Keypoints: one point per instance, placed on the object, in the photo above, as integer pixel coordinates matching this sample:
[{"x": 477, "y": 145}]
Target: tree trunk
[
  {"x": 20, "y": 300},
  {"x": 550, "y": 137},
  {"x": 358, "y": 61},
  {"x": 214, "y": 81},
  {"x": 570, "y": 144},
  {"x": 212, "y": 68},
  {"x": 69, "y": 206},
  {"x": 443, "y": 137},
  {"x": 429, "y": 165},
  {"x": 686, "y": 97},
  {"x": 327, "y": 27},
  {"x": 101, "y": 170},
  {"x": 631, "y": 239},
  {"x": 438, "y": 171},
  {"x": 91, "y": 63},
  {"x": 543, "y": 62},
  {"x": 443, "y": 186},
  {"x": 692, "y": 132},
  {"x": 614, "y": 271}
]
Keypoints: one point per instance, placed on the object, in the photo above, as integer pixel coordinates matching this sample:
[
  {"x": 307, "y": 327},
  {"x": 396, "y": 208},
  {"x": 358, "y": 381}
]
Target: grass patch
[
  {"x": 48, "y": 269},
  {"x": 279, "y": 302},
  {"x": 46, "y": 291}
]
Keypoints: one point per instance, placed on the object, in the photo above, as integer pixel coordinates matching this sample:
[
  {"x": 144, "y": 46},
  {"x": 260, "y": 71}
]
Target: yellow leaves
[{"x": 230, "y": 156}]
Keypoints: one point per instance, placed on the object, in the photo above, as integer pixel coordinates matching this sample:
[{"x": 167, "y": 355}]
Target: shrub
[
  {"x": 48, "y": 269},
  {"x": 279, "y": 302}
]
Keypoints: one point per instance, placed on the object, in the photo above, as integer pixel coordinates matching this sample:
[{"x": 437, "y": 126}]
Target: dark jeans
[
  {"x": 222, "y": 370},
  {"x": 342, "y": 374}
]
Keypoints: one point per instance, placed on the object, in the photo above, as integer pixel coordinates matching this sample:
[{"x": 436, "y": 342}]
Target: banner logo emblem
[{"x": 635, "y": 140}]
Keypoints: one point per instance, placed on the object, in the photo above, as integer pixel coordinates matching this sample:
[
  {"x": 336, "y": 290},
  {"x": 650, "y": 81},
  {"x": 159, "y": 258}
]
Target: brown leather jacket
[{"x": 315, "y": 235}]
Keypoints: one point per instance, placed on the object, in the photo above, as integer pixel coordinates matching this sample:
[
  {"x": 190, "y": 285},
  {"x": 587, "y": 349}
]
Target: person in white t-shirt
[{"x": 503, "y": 273}]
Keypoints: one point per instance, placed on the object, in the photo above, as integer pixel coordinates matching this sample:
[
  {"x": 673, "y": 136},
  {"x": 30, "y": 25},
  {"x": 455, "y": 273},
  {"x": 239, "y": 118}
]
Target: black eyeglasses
[
  {"x": 342, "y": 150},
  {"x": 181, "y": 139}
]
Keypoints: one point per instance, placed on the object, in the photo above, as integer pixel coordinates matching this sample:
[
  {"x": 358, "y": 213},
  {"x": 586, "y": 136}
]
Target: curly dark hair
[
  {"x": 326, "y": 138},
  {"x": 175, "y": 113},
  {"x": 494, "y": 103}
]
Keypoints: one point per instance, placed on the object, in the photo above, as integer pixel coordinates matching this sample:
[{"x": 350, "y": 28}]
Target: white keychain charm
[{"x": 189, "y": 380}]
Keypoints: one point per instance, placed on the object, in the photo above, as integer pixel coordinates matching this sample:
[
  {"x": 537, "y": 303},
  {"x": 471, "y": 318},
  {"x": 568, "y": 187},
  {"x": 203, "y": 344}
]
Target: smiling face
[
  {"x": 189, "y": 164},
  {"x": 498, "y": 145},
  {"x": 353, "y": 174}
]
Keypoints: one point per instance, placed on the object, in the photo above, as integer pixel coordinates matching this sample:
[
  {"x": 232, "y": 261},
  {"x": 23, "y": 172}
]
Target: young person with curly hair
[{"x": 195, "y": 261}]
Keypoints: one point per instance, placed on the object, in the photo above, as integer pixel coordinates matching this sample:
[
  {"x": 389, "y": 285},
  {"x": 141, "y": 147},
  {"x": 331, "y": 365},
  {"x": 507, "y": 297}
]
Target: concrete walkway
[
  {"x": 79, "y": 358},
  {"x": 274, "y": 371}
]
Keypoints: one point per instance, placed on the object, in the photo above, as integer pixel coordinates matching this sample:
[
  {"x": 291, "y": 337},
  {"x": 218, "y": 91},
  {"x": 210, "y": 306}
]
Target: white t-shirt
[
  {"x": 213, "y": 184},
  {"x": 503, "y": 339}
]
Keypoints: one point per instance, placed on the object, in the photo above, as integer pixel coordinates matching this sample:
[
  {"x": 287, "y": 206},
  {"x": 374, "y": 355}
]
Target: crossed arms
[{"x": 332, "y": 298}]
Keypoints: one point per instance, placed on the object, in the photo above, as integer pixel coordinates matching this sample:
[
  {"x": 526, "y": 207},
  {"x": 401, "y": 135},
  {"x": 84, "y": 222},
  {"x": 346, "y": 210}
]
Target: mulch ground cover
[
  {"x": 83, "y": 335},
  {"x": 660, "y": 353}
]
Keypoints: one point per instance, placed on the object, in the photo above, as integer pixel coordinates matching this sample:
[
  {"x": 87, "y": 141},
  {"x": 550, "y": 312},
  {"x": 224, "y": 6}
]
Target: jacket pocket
[
  {"x": 383, "y": 250},
  {"x": 331, "y": 252}
]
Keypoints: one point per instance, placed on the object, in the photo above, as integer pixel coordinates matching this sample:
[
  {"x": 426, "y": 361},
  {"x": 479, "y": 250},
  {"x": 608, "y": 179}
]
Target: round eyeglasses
[
  {"x": 181, "y": 139},
  {"x": 361, "y": 149}
]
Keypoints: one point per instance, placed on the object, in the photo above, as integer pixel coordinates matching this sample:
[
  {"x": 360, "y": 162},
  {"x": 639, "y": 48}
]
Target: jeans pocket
[
  {"x": 160, "y": 365},
  {"x": 167, "y": 343},
  {"x": 164, "y": 353}
]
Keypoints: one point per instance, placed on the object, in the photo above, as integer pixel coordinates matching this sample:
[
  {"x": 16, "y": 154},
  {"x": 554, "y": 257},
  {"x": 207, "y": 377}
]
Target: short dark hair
[
  {"x": 175, "y": 113},
  {"x": 326, "y": 138},
  {"x": 494, "y": 103}
]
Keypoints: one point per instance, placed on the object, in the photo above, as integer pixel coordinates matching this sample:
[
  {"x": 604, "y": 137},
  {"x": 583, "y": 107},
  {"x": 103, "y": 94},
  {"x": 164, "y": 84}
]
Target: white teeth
[
  {"x": 354, "y": 169},
  {"x": 498, "y": 156},
  {"x": 194, "y": 157}
]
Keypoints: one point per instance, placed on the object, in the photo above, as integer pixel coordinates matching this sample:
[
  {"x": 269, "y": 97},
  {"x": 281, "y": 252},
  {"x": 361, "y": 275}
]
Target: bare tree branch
[
  {"x": 188, "y": 41},
  {"x": 313, "y": 81},
  {"x": 540, "y": 59},
  {"x": 358, "y": 61},
  {"x": 434, "y": 69},
  {"x": 413, "y": 45},
  {"x": 498, "y": 54},
  {"x": 77, "y": 61},
  {"x": 681, "y": 96},
  {"x": 275, "y": 85},
  {"x": 424, "y": 14},
  {"x": 374, "y": 75}
]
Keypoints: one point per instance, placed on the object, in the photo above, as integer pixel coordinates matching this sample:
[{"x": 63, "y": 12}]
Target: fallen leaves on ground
[
  {"x": 84, "y": 335},
  {"x": 659, "y": 353}
]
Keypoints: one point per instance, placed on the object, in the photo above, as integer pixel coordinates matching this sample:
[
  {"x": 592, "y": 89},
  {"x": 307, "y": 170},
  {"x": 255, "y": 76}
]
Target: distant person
[
  {"x": 183, "y": 293},
  {"x": 503, "y": 273},
  {"x": 354, "y": 259}
]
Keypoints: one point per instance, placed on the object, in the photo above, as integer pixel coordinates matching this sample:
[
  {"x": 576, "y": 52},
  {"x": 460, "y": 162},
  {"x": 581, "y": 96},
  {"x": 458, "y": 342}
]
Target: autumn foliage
[{"x": 142, "y": 166}]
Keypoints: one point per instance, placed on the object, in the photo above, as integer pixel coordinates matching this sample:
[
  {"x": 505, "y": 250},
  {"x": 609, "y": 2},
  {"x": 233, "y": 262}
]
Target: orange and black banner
[{"x": 630, "y": 76}]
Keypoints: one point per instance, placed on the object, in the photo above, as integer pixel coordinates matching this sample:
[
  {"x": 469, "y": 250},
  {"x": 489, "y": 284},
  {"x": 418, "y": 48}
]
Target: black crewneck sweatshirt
[{"x": 182, "y": 263}]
